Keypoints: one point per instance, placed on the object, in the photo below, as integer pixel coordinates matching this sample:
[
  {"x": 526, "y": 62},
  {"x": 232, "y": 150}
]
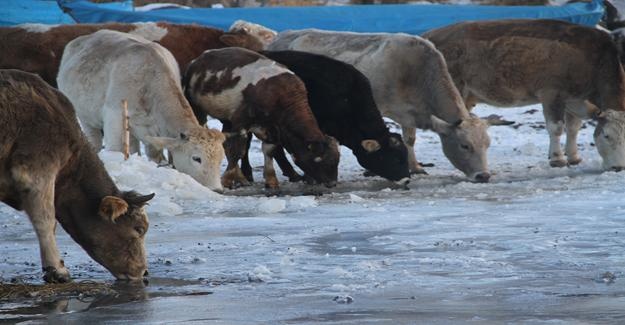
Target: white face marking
[
  {"x": 262, "y": 33},
  {"x": 36, "y": 28},
  {"x": 609, "y": 138},
  {"x": 149, "y": 31},
  {"x": 225, "y": 103}
]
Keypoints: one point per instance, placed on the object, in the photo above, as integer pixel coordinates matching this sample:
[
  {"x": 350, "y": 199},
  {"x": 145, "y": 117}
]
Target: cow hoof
[
  {"x": 368, "y": 173},
  {"x": 54, "y": 275},
  {"x": 557, "y": 163},
  {"x": 575, "y": 161},
  {"x": 272, "y": 186},
  {"x": 419, "y": 171},
  {"x": 295, "y": 178}
]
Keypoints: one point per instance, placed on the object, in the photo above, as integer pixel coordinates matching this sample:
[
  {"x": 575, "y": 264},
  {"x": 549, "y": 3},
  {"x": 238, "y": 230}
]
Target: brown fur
[
  {"x": 567, "y": 68},
  {"x": 42, "y": 146},
  {"x": 512, "y": 61},
  {"x": 41, "y": 53},
  {"x": 276, "y": 106}
]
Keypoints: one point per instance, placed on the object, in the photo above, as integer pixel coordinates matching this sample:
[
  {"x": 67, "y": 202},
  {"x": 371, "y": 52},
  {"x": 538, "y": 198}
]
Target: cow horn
[
  {"x": 370, "y": 145},
  {"x": 139, "y": 199}
]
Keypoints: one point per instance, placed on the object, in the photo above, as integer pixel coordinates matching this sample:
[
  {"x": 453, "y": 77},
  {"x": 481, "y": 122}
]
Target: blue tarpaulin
[
  {"x": 413, "y": 19},
  {"x": 13, "y": 12}
]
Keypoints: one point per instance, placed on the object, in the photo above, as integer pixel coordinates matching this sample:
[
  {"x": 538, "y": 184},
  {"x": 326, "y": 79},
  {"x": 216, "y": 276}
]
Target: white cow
[{"x": 100, "y": 70}]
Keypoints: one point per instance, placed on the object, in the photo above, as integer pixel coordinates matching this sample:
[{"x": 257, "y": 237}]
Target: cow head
[
  {"x": 610, "y": 139},
  {"x": 465, "y": 144},
  {"x": 319, "y": 160},
  {"x": 261, "y": 34},
  {"x": 618, "y": 36},
  {"x": 198, "y": 153},
  {"x": 386, "y": 157},
  {"x": 114, "y": 237}
]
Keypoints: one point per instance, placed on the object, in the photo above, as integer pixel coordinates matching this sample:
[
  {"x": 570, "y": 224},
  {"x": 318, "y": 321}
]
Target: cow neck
[
  {"x": 81, "y": 185},
  {"x": 173, "y": 110},
  {"x": 298, "y": 122},
  {"x": 444, "y": 101},
  {"x": 369, "y": 120}
]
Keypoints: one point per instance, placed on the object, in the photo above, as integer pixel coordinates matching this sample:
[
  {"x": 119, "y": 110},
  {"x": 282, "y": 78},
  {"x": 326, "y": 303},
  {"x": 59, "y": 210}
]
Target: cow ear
[
  {"x": 161, "y": 143},
  {"x": 494, "y": 119},
  {"x": 232, "y": 40},
  {"x": 599, "y": 116},
  {"x": 441, "y": 127},
  {"x": 370, "y": 145},
  {"x": 112, "y": 207}
]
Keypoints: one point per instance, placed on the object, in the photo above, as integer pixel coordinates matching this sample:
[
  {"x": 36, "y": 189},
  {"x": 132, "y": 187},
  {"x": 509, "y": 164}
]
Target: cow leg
[
  {"x": 94, "y": 135},
  {"x": 573, "y": 124},
  {"x": 38, "y": 201},
  {"x": 410, "y": 137},
  {"x": 553, "y": 110},
  {"x": 234, "y": 147},
  {"x": 113, "y": 129},
  {"x": 134, "y": 146},
  {"x": 285, "y": 165},
  {"x": 246, "y": 168},
  {"x": 271, "y": 181}
]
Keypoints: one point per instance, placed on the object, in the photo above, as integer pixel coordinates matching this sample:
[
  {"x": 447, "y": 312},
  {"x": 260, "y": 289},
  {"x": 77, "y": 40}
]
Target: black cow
[{"x": 341, "y": 100}]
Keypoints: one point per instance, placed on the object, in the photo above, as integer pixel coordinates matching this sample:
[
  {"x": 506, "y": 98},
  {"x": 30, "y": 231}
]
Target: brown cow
[
  {"x": 251, "y": 93},
  {"x": 570, "y": 69},
  {"x": 38, "y": 48},
  {"x": 50, "y": 170}
]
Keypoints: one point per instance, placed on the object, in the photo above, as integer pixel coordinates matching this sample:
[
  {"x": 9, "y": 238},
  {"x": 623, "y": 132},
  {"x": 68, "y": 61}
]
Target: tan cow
[
  {"x": 567, "y": 68},
  {"x": 38, "y": 48},
  {"x": 100, "y": 70},
  {"x": 50, "y": 171}
]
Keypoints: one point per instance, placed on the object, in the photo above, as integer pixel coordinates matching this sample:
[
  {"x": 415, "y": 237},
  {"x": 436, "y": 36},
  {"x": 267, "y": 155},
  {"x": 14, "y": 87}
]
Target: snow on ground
[{"x": 536, "y": 245}]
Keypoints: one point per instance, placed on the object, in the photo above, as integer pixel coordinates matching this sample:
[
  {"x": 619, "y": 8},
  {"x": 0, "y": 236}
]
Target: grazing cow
[
  {"x": 249, "y": 92},
  {"x": 49, "y": 170},
  {"x": 38, "y": 48},
  {"x": 570, "y": 69},
  {"x": 410, "y": 85},
  {"x": 100, "y": 70},
  {"x": 341, "y": 100}
]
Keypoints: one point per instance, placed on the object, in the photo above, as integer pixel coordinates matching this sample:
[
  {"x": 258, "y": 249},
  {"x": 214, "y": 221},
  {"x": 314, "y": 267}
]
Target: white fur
[
  {"x": 150, "y": 31},
  {"x": 229, "y": 100},
  {"x": 36, "y": 28},
  {"x": 262, "y": 33}
]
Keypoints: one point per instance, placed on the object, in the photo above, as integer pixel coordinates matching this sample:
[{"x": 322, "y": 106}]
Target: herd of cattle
[{"x": 303, "y": 91}]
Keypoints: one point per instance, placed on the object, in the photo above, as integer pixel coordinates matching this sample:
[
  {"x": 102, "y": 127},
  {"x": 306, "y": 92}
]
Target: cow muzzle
[{"x": 482, "y": 177}]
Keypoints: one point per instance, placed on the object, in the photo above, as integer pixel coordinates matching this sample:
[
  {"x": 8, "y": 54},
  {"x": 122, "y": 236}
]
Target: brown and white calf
[
  {"x": 50, "y": 171},
  {"x": 250, "y": 93},
  {"x": 38, "y": 48},
  {"x": 570, "y": 69},
  {"x": 100, "y": 70},
  {"x": 410, "y": 85}
]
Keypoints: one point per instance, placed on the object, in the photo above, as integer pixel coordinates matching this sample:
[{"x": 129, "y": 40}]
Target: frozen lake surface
[{"x": 537, "y": 245}]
